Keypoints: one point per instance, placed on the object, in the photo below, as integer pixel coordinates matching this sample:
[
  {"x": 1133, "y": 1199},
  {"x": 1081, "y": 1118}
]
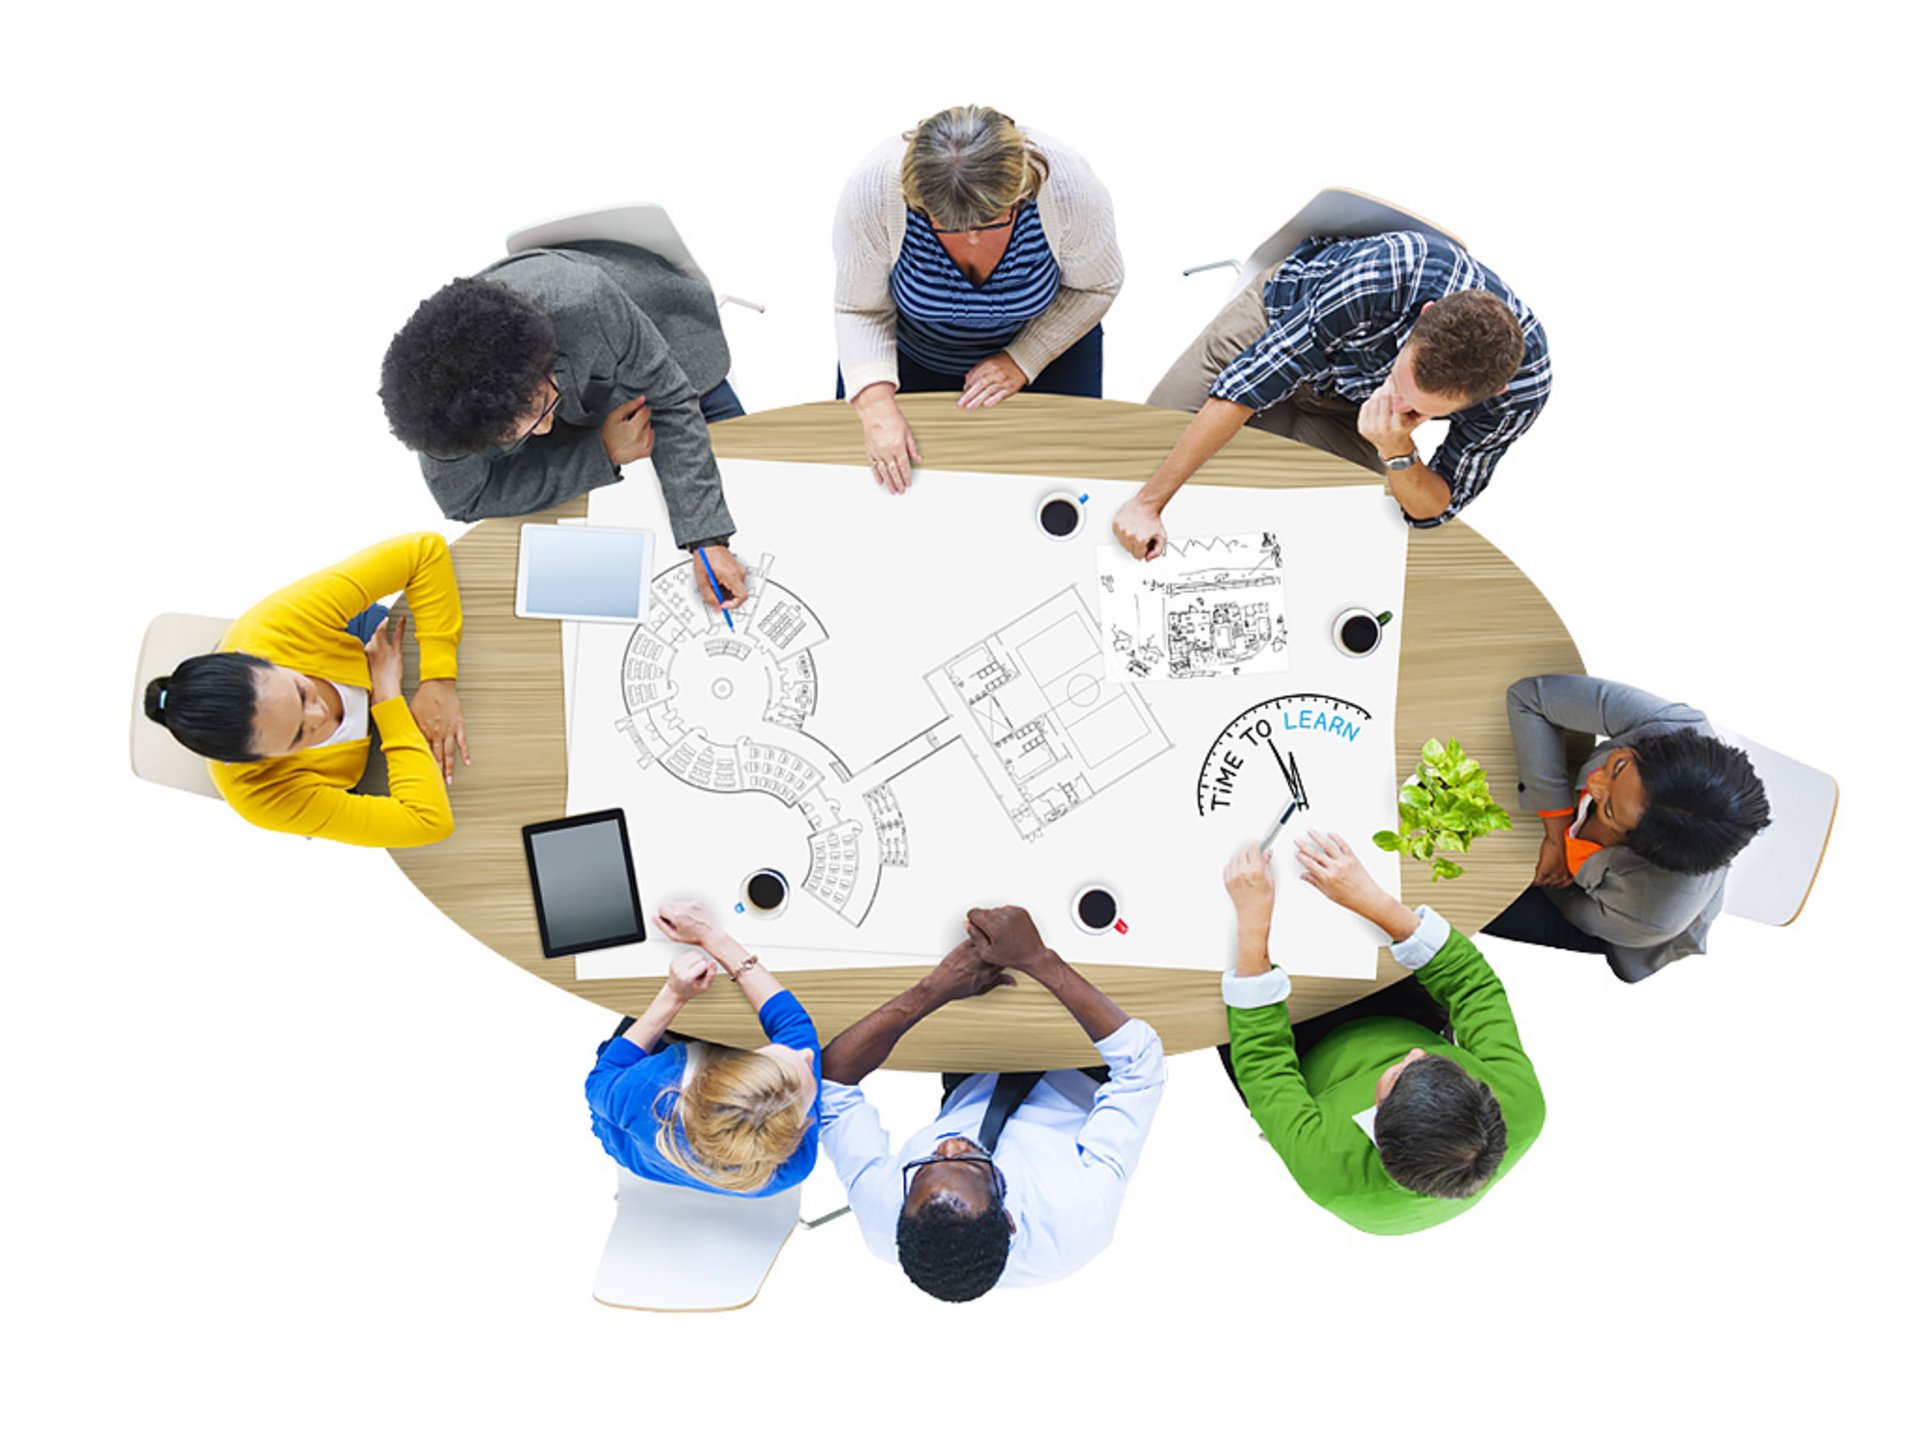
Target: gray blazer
[
  {"x": 610, "y": 305},
  {"x": 1646, "y": 916}
]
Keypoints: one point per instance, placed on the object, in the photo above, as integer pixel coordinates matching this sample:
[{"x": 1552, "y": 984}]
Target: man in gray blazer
[
  {"x": 538, "y": 379},
  {"x": 1634, "y": 865}
]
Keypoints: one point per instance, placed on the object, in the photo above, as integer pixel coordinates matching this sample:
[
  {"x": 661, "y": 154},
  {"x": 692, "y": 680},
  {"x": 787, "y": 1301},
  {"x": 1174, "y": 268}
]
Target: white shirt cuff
[
  {"x": 1426, "y": 940},
  {"x": 837, "y": 1099},
  {"x": 1252, "y": 992}
]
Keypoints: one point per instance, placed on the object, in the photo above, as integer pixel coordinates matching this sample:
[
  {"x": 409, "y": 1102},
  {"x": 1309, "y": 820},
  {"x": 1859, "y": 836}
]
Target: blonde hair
[
  {"x": 742, "y": 1116},
  {"x": 969, "y": 164}
]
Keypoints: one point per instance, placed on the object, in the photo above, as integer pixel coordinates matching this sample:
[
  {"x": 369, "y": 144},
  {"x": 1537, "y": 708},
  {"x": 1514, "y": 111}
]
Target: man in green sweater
[{"x": 1382, "y": 1121}]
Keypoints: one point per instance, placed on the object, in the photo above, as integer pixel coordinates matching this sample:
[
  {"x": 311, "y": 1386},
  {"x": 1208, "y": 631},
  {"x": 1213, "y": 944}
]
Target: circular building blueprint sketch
[{"x": 725, "y": 711}]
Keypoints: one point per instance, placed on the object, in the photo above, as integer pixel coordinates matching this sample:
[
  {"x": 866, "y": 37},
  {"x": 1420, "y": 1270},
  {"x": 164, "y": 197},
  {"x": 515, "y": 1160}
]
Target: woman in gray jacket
[{"x": 1633, "y": 865}]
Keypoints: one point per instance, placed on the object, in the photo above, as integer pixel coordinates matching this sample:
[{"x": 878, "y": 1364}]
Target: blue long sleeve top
[{"x": 625, "y": 1086}]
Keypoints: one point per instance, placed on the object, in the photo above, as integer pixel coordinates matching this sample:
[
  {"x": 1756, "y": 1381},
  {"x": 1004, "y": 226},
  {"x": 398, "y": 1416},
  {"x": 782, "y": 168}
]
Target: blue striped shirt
[
  {"x": 949, "y": 324},
  {"x": 1340, "y": 309}
]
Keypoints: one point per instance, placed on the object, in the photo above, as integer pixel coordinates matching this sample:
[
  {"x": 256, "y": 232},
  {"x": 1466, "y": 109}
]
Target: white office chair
[
  {"x": 1331, "y": 212},
  {"x": 157, "y": 756},
  {"x": 675, "y": 1248},
  {"x": 1770, "y": 879},
  {"x": 648, "y": 226}
]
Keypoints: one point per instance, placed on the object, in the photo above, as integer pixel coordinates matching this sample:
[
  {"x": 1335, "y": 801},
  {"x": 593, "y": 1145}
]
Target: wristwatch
[{"x": 1403, "y": 462}]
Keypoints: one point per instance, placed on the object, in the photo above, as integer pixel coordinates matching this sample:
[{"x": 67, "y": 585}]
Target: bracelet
[{"x": 746, "y": 965}]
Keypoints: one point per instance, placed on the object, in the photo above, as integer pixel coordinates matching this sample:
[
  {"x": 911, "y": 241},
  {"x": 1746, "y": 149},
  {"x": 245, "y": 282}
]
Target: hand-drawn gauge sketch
[{"x": 1290, "y": 750}]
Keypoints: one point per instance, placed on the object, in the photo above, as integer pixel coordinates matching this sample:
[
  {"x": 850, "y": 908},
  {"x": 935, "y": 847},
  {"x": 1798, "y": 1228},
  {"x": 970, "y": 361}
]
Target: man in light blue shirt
[{"x": 1020, "y": 1178}]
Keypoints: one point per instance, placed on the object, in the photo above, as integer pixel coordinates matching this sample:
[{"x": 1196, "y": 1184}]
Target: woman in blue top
[
  {"x": 974, "y": 256},
  {"x": 741, "y": 1122}
]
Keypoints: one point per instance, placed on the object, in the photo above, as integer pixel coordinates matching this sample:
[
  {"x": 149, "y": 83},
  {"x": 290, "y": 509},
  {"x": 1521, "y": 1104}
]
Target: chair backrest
[
  {"x": 1335, "y": 212},
  {"x": 648, "y": 226},
  {"x": 157, "y": 756},
  {"x": 1771, "y": 877},
  {"x": 675, "y": 1248}
]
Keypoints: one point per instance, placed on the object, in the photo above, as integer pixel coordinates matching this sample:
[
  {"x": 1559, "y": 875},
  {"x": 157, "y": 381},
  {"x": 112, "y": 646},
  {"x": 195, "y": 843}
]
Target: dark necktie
[{"x": 1008, "y": 1091}]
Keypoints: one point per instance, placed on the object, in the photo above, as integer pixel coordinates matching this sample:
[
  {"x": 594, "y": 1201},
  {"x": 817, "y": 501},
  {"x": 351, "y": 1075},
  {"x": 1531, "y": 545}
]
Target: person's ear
[
  {"x": 1426, "y": 307},
  {"x": 1011, "y": 1227},
  {"x": 1502, "y": 390}
]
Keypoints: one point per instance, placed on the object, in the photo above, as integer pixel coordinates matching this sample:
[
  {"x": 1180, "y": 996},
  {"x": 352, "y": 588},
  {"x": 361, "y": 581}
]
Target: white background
[{"x": 288, "y": 1151}]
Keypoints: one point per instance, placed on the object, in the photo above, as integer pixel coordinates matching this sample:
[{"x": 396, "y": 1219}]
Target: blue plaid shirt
[{"x": 1340, "y": 310}]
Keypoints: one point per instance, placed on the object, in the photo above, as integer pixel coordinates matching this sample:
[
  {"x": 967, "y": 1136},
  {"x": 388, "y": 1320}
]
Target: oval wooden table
[{"x": 1474, "y": 624}]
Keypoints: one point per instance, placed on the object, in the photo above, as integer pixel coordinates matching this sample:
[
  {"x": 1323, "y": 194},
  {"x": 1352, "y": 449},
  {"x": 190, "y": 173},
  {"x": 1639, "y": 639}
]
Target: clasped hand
[
  {"x": 1006, "y": 937},
  {"x": 962, "y": 972}
]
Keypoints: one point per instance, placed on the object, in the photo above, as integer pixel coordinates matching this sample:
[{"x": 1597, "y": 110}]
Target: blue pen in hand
[{"x": 714, "y": 580}]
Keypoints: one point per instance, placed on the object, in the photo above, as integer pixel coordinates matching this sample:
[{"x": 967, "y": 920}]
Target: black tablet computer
[{"x": 583, "y": 886}]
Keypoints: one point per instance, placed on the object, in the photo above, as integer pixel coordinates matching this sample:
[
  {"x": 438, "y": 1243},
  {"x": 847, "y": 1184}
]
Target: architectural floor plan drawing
[
  {"x": 1034, "y": 706},
  {"x": 1207, "y": 607},
  {"x": 726, "y": 711}
]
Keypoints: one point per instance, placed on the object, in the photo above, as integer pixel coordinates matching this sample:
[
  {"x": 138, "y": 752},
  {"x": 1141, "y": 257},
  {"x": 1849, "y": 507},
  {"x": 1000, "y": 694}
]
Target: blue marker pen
[{"x": 714, "y": 580}]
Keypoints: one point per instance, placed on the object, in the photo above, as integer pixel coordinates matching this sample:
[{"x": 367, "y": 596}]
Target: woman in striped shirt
[{"x": 970, "y": 256}]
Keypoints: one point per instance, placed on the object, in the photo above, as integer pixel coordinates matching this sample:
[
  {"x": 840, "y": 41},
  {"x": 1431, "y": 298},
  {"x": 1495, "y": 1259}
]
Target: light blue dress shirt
[{"x": 1067, "y": 1154}]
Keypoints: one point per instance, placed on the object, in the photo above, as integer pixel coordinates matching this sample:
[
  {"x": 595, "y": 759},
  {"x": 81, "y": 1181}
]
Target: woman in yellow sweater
[{"x": 285, "y": 707}]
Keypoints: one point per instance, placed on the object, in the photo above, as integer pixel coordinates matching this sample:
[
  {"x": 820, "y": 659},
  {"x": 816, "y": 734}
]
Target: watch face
[{"x": 1278, "y": 753}]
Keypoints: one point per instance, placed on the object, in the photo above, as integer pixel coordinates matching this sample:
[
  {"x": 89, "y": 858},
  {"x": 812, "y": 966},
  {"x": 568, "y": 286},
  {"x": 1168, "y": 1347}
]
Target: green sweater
[{"x": 1306, "y": 1111}]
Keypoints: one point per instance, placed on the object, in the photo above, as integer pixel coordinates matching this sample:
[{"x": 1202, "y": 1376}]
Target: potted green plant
[{"x": 1445, "y": 805}]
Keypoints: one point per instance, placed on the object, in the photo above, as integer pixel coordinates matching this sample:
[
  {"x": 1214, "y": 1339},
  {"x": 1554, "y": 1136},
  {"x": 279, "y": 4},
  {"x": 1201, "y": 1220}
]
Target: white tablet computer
[{"x": 584, "y": 572}]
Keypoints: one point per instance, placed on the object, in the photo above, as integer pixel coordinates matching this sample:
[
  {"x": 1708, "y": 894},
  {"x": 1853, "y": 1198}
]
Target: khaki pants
[{"x": 1324, "y": 422}]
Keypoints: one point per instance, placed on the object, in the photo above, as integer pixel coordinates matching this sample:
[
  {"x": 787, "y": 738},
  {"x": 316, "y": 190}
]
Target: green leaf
[
  {"x": 1447, "y": 870},
  {"x": 1433, "y": 753},
  {"x": 1387, "y": 840}
]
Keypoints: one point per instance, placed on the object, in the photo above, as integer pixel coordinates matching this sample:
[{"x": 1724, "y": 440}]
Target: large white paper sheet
[{"x": 913, "y": 715}]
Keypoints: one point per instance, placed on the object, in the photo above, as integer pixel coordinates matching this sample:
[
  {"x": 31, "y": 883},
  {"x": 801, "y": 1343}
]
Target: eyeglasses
[
  {"x": 978, "y": 1157},
  {"x": 552, "y": 405},
  {"x": 969, "y": 229}
]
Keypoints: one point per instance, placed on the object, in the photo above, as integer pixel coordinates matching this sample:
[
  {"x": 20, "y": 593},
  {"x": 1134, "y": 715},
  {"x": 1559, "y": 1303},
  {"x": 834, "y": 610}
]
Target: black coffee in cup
[
  {"x": 766, "y": 890},
  {"x": 1356, "y": 632},
  {"x": 1097, "y": 908},
  {"x": 1060, "y": 517}
]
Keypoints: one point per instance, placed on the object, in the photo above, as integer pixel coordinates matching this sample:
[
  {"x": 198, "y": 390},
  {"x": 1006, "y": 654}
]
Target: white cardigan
[{"x": 1076, "y": 212}]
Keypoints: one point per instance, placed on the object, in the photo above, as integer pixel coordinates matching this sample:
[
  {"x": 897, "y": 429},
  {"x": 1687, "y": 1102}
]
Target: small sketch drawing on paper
[
  {"x": 1048, "y": 729},
  {"x": 1209, "y": 606}
]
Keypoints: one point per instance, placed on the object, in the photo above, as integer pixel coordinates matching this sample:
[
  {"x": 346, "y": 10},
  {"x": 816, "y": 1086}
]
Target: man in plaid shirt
[{"x": 1349, "y": 347}]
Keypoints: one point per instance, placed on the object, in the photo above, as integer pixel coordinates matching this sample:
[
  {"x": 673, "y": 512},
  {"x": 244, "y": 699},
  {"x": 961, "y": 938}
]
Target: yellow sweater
[{"x": 300, "y": 627}]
